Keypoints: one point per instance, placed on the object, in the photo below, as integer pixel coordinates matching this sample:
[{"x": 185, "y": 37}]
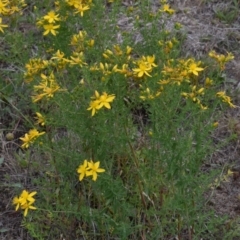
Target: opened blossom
[
  {"x": 194, "y": 68},
  {"x": 30, "y": 137},
  {"x": 81, "y": 9},
  {"x": 50, "y": 28},
  {"x": 93, "y": 170},
  {"x": 89, "y": 168},
  {"x": 25, "y": 201},
  {"x": 100, "y": 101},
  {"x": 143, "y": 69},
  {"x": 51, "y": 17},
  {"x": 82, "y": 169}
]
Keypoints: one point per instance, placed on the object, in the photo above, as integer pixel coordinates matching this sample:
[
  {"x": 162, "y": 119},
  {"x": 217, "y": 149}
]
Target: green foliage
[
  {"x": 229, "y": 13},
  {"x": 150, "y": 129}
]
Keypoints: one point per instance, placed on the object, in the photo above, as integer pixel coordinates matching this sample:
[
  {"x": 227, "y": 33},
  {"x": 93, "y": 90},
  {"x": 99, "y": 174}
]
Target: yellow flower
[
  {"x": 146, "y": 94},
  {"x": 104, "y": 68},
  {"x": 82, "y": 169},
  {"x": 26, "y": 197},
  {"x": 128, "y": 50},
  {"x": 30, "y": 137},
  {"x": 93, "y": 169},
  {"x": 100, "y": 101},
  {"x": 178, "y": 25},
  {"x": 90, "y": 42},
  {"x": 117, "y": 50},
  {"x": 3, "y": 10},
  {"x": 2, "y": 25},
  {"x": 58, "y": 55},
  {"x": 34, "y": 66},
  {"x": 47, "y": 87},
  {"x": 125, "y": 70},
  {"x": 194, "y": 96},
  {"x": 81, "y": 8},
  {"x": 193, "y": 68},
  {"x": 230, "y": 173},
  {"x": 166, "y": 8},
  {"x": 225, "y": 98},
  {"x": 203, "y": 107},
  {"x": 105, "y": 99},
  {"x": 143, "y": 69},
  {"x": 93, "y": 106},
  {"x": 17, "y": 201},
  {"x": 208, "y": 82},
  {"x": 77, "y": 59},
  {"x": 73, "y": 3},
  {"x": 220, "y": 58},
  {"x": 51, "y": 17},
  {"x": 50, "y": 28},
  {"x": 40, "y": 119},
  {"x": 149, "y": 60},
  {"x": 26, "y": 141},
  {"x": 27, "y": 206},
  {"x": 25, "y": 201}
]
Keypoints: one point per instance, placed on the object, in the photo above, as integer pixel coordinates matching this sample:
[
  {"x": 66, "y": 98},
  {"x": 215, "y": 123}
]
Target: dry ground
[{"x": 204, "y": 31}]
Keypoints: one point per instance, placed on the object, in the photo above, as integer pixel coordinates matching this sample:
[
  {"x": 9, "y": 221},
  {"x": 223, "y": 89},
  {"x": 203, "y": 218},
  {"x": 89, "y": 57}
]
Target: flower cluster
[
  {"x": 89, "y": 168},
  {"x": 145, "y": 66},
  {"x": 25, "y": 201},
  {"x": 33, "y": 67},
  {"x": 194, "y": 96},
  {"x": 77, "y": 58},
  {"x": 81, "y": 41},
  {"x": 221, "y": 59},
  {"x": 46, "y": 88},
  {"x": 100, "y": 101},
  {"x": 80, "y": 6},
  {"x": 50, "y": 23},
  {"x": 225, "y": 98},
  {"x": 30, "y": 137},
  {"x": 8, "y": 8},
  {"x": 58, "y": 60},
  {"x": 99, "y": 73},
  {"x": 118, "y": 53}
]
